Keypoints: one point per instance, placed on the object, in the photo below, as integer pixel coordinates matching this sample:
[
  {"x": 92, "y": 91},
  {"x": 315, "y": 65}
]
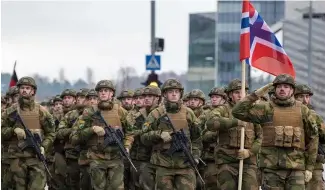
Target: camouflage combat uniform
[
  {"x": 290, "y": 139},
  {"x": 63, "y": 133},
  {"x": 145, "y": 177},
  {"x": 126, "y": 94},
  {"x": 172, "y": 172},
  {"x": 105, "y": 163},
  {"x": 317, "y": 182},
  {"x": 229, "y": 129},
  {"x": 28, "y": 171}
]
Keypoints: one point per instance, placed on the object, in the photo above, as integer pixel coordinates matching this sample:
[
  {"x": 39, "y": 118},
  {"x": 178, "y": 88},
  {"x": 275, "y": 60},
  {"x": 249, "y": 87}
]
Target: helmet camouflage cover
[
  {"x": 126, "y": 94},
  {"x": 105, "y": 84},
  {"x": 197, "y": 93},
  {"x": 171, "y": 84},
  {"x": 27, "y": 81},
  {"x": 82, "y": 92},
  {"x": 235, "y": 85},
  {"x": 92, "y": 92},
  {"x": 303, "y": 89},
  {"x": 152, "y": 90},
  {"x": 68, "y": 92},
  {"x": 284, "y": 79},
  {"x": 218, "y": 91},
  {"x": 138, "y": 92},
  {"x": 185, "y": 97}
]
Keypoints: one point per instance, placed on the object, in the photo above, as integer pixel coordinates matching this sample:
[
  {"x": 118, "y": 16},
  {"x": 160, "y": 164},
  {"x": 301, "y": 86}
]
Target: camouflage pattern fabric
[
  {"x": 283, "y": 179},
  {"x": 317, "y": 182}
]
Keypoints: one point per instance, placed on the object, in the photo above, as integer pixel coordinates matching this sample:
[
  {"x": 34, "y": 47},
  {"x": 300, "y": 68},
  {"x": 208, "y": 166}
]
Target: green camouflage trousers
[
  {"x": 28, "y": 173},
  {"x": 283, "y": 179},
  {"x": 106, "y": 174},
  {"x": 85, "y": 183},
  {"x": 6, "y": 175},
  {"x": 176, "y": 179},
  {"x": 127, "y": 176},
  {"x": 145, "y": 178},
  {"x": 59, "y": 178},
  {"x": 73, "y": 174},
  {"x": 209, "y": 175},
  {"x": 317, "y": 182},
  {"x": 228, "y": 177}
]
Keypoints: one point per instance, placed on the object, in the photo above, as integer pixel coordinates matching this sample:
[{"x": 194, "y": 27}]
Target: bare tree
[
  {"x": 90, "y": 74},
  {"x": 124, "y": 77},
  {"x": 61, "y": 75}
]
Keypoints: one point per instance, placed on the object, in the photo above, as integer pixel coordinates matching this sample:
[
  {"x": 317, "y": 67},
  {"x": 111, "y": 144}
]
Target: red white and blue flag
[{"x": 259, "y": 46}]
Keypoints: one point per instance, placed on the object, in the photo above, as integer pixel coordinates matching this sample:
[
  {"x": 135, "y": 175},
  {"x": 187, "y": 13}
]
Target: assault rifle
[
  {"x": 32, "y": 141},
  {"x": 180, "y": 144},
  {"x": 113, "y": 136}
]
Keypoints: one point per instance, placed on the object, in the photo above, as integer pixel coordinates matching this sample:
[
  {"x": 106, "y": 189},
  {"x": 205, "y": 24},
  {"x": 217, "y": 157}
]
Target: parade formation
[{"x": 162, "y": 138}]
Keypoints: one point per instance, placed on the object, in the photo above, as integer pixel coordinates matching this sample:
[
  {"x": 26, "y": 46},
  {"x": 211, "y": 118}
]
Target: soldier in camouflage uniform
[
  {"x": 196, "y": 99},
  {"x": 28, "y": 171},
  {"x": 3, "y": 103},
  {"x": 140, "y": 154},
  {"x": 57, "y": 182},
  {"x": 209, "y": 139},
  {"x": 228, "y": 153},
  {"x": 106, "y": 165},
  {"x": 64, "y": 131},
  {"x": 92, "y": 97},
  {"x": 172, "y": 172},
  {"x": 289, "y": 147},
  {"x": 185, "y": 99},
  {"x": 138, "y": 99},
  {"x": 126, "y": 98},
  {"x": 12, "y": 95},
  {"x": 303, "y": 94}
]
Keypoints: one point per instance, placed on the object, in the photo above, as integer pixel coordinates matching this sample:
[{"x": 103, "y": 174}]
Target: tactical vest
[
  {"x": 31, "y": 119},
  {"x": 286, "y": 128},
  {"x": 111, "y": 117},
  {"x": 231, "y": 138},
  {"x": 178, "y": 120}
]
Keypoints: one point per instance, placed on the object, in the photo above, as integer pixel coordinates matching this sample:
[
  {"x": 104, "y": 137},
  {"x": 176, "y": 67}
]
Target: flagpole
[
  {"x": 15, "y": 66},
  {"x": 242, "y": 131}
]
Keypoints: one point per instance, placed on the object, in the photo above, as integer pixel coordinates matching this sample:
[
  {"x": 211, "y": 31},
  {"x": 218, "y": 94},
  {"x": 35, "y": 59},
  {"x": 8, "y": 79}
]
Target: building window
[{"x": 228, "y": 27}]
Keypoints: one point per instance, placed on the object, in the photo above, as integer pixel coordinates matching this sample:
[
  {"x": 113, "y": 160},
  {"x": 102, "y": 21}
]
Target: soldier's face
[
  {"x": 216, "y": 100},
  {"x": 92, "y": 100},
  {"x": 283, "y": 91},
  {"x": 26, "y": 91},
  {"x": 195, "y": 102},
  {"x": 127, "y": 101},
  {"x": 150, "y": 100},
  {"x": 235, "y": 95},
  {"x": 105, "y": 94},
  {"x": 81, "y": 100},
  {"x": 58, "y": 107},
  {"x": 304, "y": 98},
  {"x": 139, "y": 101},
  {"x": 68, "y": 100},
  {"x": 173, "y": 95}
]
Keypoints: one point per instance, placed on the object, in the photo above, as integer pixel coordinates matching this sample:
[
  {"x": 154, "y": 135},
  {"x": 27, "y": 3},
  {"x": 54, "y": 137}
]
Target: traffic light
[{"x": 152, "y": 78}]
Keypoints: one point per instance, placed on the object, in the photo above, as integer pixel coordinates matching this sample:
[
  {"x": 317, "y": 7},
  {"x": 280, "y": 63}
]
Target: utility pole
[
  {"x": 309, "y": 55},
  {"x": 153, "y": 29}
]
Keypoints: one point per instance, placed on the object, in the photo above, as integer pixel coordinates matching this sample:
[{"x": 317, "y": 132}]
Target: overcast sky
[{"x": 45, "y": 36}]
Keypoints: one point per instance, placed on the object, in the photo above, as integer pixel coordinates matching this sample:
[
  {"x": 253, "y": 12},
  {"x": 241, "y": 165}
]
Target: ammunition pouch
[
  {"x": 232, "y": 139},
  {"x": 283, "y": 136}
]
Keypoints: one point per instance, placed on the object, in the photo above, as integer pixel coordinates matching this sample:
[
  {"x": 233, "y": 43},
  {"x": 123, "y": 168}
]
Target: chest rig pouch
[
  {"x": 112, "y": 118},
  {"x": 178, "y": 120},
  {"x": 286, "y": 128}
]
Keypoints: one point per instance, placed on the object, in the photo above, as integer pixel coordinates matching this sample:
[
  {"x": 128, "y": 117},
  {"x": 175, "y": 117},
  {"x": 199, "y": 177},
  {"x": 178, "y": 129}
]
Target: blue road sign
[{"x": 152, "y": 63}]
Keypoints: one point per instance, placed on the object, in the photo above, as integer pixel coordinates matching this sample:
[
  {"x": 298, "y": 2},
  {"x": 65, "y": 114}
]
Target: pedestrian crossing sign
[{"x": 152, "y": 62}]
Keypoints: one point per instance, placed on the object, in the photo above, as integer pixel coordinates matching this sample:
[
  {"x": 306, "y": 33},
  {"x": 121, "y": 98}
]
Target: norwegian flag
[
  {"x": 265, "y": 51},
  {"x": 14, "y": 78}
]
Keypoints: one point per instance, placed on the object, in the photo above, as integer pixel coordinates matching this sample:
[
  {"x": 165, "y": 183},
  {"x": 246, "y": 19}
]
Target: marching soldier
[
  {"x": 172, "y": 171},
  {"x": 28, "y": 171},
  {"x": 228, "y": 153},
  {"x": 126, "y": 98},
  {"x": 145, "y": 178},
  {"x": 290, "y": 135},
  {"x": 185, "y": 99},
  {"x": 105, "y": 163},
  {"x": 64, "y": 131},
  {"x": 92, "y": 97},
  {"x": 196, "y": 99},
  {"x": 303, "y": 94},
  {"x": 138, "y": 99}
]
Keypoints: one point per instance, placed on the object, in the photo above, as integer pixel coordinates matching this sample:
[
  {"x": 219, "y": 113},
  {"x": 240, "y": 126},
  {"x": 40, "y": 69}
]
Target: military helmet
[
  {"x": 171, "y": 84},
  {"x": 152, "y": 90},
  {"x": 126, "y": 94},
  {"x": 56, "y": 98},
  {"x": 27, "y": 81},
  {"x": 218, "y": 91},
  {"x": 105, "y": 84},
  {"x": 303, "y": 89},
  {"x": 68, "y": 92},
  {"x": 82, "y": 92},
  {"x": 13, "y": 91},
  {"x": 138, "y": 92},
  {"x": 92, "y": 92},
  {"x": 235, "y": 85},
  {"x": 284, "y": 79},
  {"x": 185, "y": 97},
  {"x": 197, "y": 93}
]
